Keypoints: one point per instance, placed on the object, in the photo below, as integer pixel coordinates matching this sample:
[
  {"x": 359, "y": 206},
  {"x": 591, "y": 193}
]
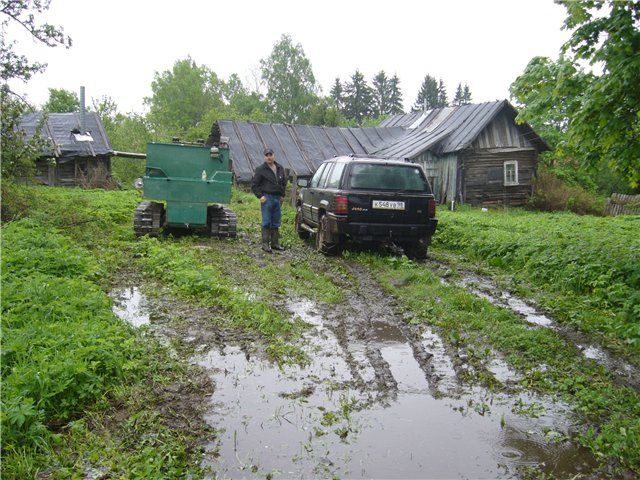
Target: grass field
[
  {"x": 82, "y": 389},
  {"x": 586, "y": 270}
]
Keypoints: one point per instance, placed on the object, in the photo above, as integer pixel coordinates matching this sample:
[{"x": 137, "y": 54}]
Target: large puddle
[{"x": 368, "y": 408}]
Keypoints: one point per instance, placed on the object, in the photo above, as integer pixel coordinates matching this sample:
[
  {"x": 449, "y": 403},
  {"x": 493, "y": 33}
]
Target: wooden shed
[
  {"x": 78, "y": 151},
  {"x": 474, "y": 154}
]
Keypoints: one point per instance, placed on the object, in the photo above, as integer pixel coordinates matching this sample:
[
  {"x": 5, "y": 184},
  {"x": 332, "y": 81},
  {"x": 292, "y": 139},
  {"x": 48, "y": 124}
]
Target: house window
[{"x": 511, "y": 173}]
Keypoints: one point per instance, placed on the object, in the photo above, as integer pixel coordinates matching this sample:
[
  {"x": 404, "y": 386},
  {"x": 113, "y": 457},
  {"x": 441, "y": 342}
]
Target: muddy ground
[{"x": 380, "y": 397}]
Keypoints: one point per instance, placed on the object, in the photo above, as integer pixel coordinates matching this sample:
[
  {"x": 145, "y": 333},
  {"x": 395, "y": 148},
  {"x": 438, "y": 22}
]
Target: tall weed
[
  {"x": 62, "y": 347},
  {"x": 591, "y": 265}
]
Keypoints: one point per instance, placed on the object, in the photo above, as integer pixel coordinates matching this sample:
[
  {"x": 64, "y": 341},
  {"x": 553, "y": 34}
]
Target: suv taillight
[
  {"x": 340, "y": 206},
  {"x": 431, "y": 208}
]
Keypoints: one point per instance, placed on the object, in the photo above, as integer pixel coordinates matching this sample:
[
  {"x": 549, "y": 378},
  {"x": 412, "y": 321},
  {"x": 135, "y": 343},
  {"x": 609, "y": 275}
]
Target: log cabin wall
[
  {"x": 482, "y": 166},
  {"x": 74, "y": 172},
  {"x": 483, "y": 177}
]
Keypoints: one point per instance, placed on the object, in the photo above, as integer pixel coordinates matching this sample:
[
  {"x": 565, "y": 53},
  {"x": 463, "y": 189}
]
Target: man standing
[{"x": 269, "y": 183}]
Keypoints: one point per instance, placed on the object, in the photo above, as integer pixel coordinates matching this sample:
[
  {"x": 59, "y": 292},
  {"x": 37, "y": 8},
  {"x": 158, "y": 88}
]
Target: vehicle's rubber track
[
  {"x": 222, "y": 222},
  {"x": 148, "y": 219}
]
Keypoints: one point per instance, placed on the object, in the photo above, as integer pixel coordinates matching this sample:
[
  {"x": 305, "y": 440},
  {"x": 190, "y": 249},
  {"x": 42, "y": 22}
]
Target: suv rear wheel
[
  {"x": 325, "y": 242},
  {"x": 415, "y": 250},
  {"x": 302, "y": 233}
]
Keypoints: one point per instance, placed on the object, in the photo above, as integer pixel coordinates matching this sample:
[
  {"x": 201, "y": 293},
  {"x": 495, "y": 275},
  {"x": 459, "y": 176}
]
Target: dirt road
[{"x": 380, "y": 397}]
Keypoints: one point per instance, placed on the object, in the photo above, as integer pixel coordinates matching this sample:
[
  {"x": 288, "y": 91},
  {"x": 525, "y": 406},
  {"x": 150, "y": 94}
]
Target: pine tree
[
  {"x": 427, "y": 96},
  {"x": 358, "y": 98},
  {"x": 395, "y": 96},
  {"x": 459, "y": 97},
  {"x": 466, "y": 95},
  {"x": 442, "y": 95},
  {"x": 337, "y": 94},
  {"x": 381, "y": 93}
]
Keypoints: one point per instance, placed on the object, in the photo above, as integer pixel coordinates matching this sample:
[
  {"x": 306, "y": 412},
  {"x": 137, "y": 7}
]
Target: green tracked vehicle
[{"x": 185, "y": 185}]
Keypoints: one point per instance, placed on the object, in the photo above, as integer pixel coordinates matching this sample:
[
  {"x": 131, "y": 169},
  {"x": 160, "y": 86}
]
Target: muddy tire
[
  {"x": 221, "y": 222},
  {"x": 148, "y": 219},
  {"x": 416, "y": 250},
  {"x": 302, "y": 233},
  {"x": 326, "y": 243}
]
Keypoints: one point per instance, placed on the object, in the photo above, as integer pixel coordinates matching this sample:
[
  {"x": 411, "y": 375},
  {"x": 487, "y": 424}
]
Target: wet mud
[
  {"x": 624, "y": 372},
  {"x": 380, "y": 398}
]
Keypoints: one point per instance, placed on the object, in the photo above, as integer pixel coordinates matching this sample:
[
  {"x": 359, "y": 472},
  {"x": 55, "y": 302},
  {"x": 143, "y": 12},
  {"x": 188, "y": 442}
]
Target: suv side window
[
  {"x": 335, "y": 176},
  {"x": 325, "y": 173},
  {"x": 315, "y": 180}
]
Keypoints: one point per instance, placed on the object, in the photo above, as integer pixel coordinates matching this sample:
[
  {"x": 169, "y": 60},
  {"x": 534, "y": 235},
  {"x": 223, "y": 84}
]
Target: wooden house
[
  {"x": 77, "y": 152},
  {"x": 474, "y": 154}
]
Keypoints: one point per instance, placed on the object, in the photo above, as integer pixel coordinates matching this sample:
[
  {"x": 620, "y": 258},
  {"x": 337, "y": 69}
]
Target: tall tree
[
  {"x": 603, "y": 121},
  {"x": 18, "y": 156},
  {"x": 337, "y": 94},
  {"x": 442, "y": 95},
  {"x": 358, "y": 98},
  {"x": 546, "y": 107},
  {"x": 325, "y": 113},
  {"x": 233, "y": 87},
  {"x": 458, "y": 99},
  {"x": 395, "y": 96},
  {"x": 466, "y": 95},
  {"x": 427, "y": 95},
  {"x": 291, "y": 85},
  {"x": 61, "y": 101},
  {"x": 182, "y": 96},
  {"x": 381, "y": 94}
]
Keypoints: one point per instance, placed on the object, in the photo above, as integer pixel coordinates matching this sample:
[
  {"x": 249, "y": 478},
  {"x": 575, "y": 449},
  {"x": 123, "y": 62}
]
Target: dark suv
[{"x": 370, "y": 200}]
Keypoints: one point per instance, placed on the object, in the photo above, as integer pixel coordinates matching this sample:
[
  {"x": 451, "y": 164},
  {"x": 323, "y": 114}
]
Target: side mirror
[{"x": 303, "y": 182}]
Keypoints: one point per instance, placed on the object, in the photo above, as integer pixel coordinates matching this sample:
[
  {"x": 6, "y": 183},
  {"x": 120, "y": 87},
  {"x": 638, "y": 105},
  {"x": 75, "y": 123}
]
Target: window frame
[
  {"x": 337, "y": 165},
  {"x": 416, "y": 167},
  {"x": 515, "y": 180},
  {"x": 319, "y": 173},
  {"x": 322, "y": 181}
]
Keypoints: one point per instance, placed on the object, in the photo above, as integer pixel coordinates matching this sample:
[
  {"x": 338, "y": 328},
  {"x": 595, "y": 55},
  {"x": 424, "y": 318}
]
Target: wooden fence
[{"x": 620, "y": 204}]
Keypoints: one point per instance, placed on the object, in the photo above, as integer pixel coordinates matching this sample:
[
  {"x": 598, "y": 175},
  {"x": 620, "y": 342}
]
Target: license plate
[{"x": 388, "y": 205}]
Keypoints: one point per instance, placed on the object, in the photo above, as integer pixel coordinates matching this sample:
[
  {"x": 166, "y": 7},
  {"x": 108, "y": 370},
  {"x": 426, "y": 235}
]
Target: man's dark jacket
[{"x": 265, "y": 182}]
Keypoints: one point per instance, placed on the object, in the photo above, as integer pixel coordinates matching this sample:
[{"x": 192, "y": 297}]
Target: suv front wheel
[{"x": 325, "y": 242}]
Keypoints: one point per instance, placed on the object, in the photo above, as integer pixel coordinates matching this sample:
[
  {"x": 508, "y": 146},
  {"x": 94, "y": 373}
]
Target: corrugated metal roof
[
  {"x": 299, "y": 148},
  {"x": 63, "y": 142},
  {"x": 449, "y": 129}
]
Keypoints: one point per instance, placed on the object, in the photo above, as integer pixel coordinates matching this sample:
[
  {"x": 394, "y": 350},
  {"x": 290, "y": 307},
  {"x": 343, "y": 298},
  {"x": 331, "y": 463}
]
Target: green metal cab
[{"x": 192, "y": 180}]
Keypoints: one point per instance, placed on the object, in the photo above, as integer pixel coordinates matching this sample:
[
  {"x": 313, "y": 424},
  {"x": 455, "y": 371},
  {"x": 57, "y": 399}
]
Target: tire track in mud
[
  {"x": 623, "y": 372},
  {"x": 368, "y": 308},
  {"x": 369, "y": 404}
]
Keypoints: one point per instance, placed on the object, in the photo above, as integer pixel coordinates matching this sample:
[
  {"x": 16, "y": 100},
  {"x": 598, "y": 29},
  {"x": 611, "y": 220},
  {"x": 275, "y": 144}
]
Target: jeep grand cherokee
[{"x": 369, "y": 200}]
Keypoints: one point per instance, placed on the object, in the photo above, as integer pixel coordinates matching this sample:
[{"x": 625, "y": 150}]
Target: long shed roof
[
  {"x": 300, "y": 148},
  {"x": 59, "y": 129}
]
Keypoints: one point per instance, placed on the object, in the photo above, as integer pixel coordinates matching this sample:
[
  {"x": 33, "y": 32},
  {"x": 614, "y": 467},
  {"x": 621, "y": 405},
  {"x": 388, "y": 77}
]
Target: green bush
[{"x": 551, "y": 194}]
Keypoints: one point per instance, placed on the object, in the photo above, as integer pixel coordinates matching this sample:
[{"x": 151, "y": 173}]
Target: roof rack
[{"x": 378, "y": 157}]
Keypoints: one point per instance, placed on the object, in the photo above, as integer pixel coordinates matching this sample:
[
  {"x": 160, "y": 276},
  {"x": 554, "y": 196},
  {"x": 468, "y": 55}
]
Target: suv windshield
[{"x": 387, "y": 177}]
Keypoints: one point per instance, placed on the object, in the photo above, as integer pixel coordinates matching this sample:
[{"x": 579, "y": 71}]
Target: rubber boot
[
  {"x": 275, "y": 240},
  {"x": 266, "y": 240}
]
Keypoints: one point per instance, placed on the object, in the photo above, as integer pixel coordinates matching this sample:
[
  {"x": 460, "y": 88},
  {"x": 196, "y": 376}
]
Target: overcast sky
[{"x": 118, "y": 45}]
